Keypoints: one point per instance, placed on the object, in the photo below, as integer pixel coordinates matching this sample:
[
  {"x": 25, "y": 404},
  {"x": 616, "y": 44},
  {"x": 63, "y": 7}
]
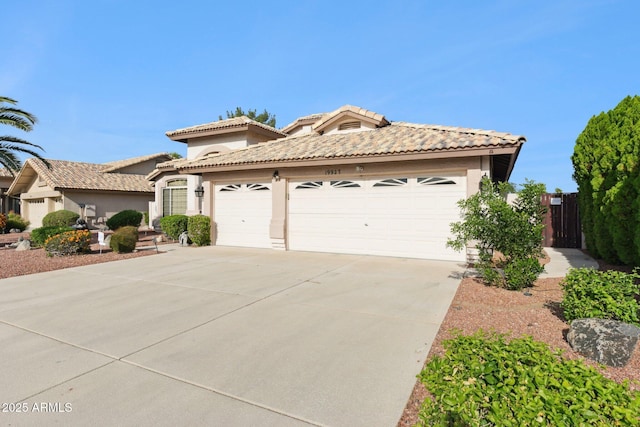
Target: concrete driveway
[{"x": 220, "y": 336}]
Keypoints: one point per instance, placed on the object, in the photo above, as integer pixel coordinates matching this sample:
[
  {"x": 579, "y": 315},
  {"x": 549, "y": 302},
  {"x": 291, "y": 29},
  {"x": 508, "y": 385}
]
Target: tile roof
[
  {"x": 64, "y": 174},
  {"x": 120, "y": 164},
  {"x": 4, "y": 172},
  {"x": 235, "y": 122},
  {"x": 394, "y": 139},
  {"x": 311, "y": 118}
]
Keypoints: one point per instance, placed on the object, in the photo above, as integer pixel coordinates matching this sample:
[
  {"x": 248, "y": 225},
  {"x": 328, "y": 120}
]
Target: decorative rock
[
  {"x": 24, "y": 245},
  {"x": 606, "y": 341}
]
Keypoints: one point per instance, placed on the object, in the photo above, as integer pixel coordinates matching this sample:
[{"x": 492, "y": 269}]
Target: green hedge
[
  {"x": 40, "y": 235},
  {"x": 174, "y": 225},
  {"x": 125, "y": 218},
  {"x": 199, "y": 229},
  {"x": 601, "y": 294},
  {"x": 124, "y": 239},
  {"x": 605, "y": 163},
  {"x": 60, "y": 218},
  {"x": 483, "y": 380}
]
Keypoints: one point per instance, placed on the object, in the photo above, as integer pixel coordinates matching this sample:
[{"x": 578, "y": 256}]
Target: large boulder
[
  {"x": 23, "y": 245},
  {"x": 606, "y": 341}
]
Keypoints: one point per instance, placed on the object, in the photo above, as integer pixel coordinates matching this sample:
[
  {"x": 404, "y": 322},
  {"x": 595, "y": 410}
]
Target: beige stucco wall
[
  {"x": 106, "y": 204},
  {"x": 197, "y": 147}
]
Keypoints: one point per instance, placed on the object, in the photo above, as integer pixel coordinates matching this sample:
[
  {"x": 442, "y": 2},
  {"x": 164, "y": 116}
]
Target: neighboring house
[
  {"x": 94, "y": 191},
  {"x": 348, "y": 181},
  {"x": 7, "y": 203}
]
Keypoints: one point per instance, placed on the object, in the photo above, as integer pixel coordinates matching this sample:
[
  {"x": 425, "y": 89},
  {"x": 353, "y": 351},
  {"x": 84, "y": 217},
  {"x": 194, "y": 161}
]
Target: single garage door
[
  {"x": 37, "y": 209},
  {"x": 242, "y": 213},
  {"x": 399, "y": 216}
]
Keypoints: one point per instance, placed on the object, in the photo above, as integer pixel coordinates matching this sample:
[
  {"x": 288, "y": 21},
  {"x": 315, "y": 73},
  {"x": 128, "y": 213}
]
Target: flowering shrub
[{"x": 68, "y": 243}]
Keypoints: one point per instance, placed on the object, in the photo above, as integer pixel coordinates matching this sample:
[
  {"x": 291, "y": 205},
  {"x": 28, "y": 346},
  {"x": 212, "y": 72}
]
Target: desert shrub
[
  {"x": 124, "y": 239},
  {"x": 125, "y": 218},
  {"x": 485, "y": 380},
  {"x": 3, "y": 222},
  {"x": 145, "y": 216},
  {"x": 59, "y": 218},
  {"x": 68, "y": 243},
  {"x": 174, "y": 225},
  {"x": 601, "y": 294},
  {"x": 514, "y": 230},
  {"x": 15, "y": 221},
  {"x": 40, "y": 235},
  {"x": 199, "y": 229}
]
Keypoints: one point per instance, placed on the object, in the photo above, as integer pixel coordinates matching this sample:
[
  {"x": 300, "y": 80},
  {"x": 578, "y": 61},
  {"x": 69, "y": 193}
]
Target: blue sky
[{"x": 107, "y": 79}]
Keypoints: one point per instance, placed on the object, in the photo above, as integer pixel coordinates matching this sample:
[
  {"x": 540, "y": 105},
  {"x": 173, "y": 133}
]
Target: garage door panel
[
  {"x": 395, "y": 217},
  {"x": 242, "y": 214}
]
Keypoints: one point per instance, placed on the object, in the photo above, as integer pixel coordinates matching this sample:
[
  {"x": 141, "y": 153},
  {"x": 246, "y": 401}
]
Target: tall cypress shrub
[{"x": 606, "y": 161}]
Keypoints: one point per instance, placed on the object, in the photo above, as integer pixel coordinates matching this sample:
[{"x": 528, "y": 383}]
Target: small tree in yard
[{"x": 513, "y": 230}]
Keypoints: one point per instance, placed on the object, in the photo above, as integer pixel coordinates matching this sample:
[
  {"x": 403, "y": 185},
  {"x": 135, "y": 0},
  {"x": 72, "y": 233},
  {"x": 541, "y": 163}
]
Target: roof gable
[{"x": 349, "y": 112}]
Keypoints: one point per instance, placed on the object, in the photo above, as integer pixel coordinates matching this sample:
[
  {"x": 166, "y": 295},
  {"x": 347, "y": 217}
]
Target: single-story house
[
  {"x": 349, "y": 181},
  {"x": 94, "y": 191}
]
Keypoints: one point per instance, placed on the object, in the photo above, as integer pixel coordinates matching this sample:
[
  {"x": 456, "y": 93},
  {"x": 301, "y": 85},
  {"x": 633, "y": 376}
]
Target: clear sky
[{"x": 108, "y": 78}]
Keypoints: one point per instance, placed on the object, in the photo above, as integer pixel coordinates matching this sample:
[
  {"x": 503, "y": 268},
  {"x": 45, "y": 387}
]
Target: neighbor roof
[
  {"x": 67, "y": 175},
  {"x": 395, "y": 139},
  {"x": 121, "y": 164}
]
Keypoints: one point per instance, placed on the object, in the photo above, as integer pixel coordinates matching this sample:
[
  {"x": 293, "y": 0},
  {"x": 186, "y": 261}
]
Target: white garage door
[
  {"x": 242, "y": 214},
  {"x": 36, "y": 211},
  {"x": 400, "y": 216}
]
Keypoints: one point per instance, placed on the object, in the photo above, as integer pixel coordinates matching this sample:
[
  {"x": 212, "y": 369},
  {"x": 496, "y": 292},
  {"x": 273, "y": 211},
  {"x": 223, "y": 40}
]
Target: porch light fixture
[
  {"x": 276, "y": 175},
  {"x": 199, "y": 191}
]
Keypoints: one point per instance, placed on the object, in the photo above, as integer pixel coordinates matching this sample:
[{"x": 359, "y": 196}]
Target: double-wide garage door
[{"x": 403, "y": 216}]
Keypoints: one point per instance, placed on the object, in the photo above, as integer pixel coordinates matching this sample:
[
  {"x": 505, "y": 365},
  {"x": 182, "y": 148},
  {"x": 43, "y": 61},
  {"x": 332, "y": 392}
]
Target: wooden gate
[{"x": 562, "y": 223}]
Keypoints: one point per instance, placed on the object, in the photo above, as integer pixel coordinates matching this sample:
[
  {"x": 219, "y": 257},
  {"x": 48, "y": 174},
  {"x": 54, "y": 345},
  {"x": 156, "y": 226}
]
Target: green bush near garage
[
  {"x": 124, "y": 239},
  {"x": 41, "y": 234},
  {"x": 174, "y": 225},
  {"x": 199, "y": 229},
  {"x": 486, "y": 380},
  {"x": 125, "y": 218},
  {"x": 60, "y": 218},
  {"x": 15, "y": 222}
]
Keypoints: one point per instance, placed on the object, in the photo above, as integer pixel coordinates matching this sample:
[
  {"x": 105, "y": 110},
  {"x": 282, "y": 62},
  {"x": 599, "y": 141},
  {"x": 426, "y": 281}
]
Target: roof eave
[{"x": 375, "y": 158}]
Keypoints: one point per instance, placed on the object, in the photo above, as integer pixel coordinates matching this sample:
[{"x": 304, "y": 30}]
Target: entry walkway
[{"x": 563, "y": 259}]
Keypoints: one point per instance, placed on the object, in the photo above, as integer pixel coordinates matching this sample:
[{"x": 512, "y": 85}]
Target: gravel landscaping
[
  {"x": 476, "y": 306},
  {"x": 18, "y": 263}
]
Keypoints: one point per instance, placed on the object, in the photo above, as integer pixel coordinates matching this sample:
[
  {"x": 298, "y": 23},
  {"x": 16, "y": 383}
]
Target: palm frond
[{"x": 16, "y": 140}]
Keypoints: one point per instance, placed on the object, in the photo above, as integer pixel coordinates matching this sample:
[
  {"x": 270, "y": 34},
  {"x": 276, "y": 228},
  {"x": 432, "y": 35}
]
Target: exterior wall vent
[{"x": 349, "y": 125}]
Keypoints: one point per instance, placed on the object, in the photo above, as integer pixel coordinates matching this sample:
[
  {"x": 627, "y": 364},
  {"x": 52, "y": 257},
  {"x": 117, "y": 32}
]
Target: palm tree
[{"x": 11, "y": 145}]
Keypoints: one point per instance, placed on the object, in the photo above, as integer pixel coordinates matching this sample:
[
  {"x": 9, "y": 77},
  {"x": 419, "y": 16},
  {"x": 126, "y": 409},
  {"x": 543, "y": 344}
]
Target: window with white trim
[
  {"x": 392, "y": 182},
  {"x": 174, "y": 197},
  {"x": 435, "y": 180},
  {"x": 310, "y": 184},
  {"x": 344, "y": 184}
]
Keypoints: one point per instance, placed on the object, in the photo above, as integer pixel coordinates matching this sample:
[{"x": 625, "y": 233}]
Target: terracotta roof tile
[
  {"x": 221, "y": 124},
  {"x": 396, "y": 138},
  {"x": 4, "y": 172},
  {"x": 88, "y": 176},
  {"x": 120, "y": 164}
]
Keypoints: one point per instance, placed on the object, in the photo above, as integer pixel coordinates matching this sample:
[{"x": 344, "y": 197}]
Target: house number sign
[{"x": 332, "y": 172}]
